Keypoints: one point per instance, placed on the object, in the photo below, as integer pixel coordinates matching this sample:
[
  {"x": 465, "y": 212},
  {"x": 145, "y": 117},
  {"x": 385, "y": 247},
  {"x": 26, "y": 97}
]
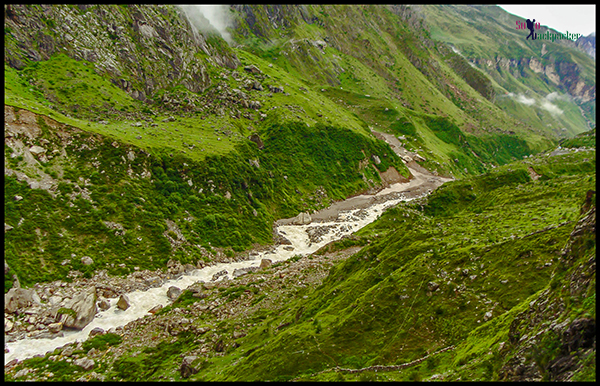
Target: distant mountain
[{"x": 587, "y": 44}]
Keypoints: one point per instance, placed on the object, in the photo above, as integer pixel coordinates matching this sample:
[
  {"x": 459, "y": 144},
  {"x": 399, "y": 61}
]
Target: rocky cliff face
[
  {"x": 545, "y": 341},
  {"x": 587, "y": 44},
  {"x": 142, "y": 48}
]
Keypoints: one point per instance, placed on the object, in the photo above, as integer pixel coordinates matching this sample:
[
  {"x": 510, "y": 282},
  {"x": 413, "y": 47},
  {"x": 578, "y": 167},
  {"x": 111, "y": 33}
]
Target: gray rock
[
  {"x": 264, "y": 263},
  {"x": 96, "y": 331},
  {"x": 242, "y": 271},
  {"x": 85, "y": 363},
  {"x": 123, "y": 302},
  {"x": 103, "y": 305},
  {"x": 173, "y": 292},
  {"x": 18, "y": 298},
  {"x": 186, "y": 368},
  {"x": 84, "y": 305},
  {"x": 37, "y": 150},
  {"x": 86, "y": 260},
  {"x": 302, "y": 218},
  {"x": 17, "y": 198},
  {"x": 155, "y": 309},
  {"x": 55, "y": 327},
  {"x": 376, "y": 159}
]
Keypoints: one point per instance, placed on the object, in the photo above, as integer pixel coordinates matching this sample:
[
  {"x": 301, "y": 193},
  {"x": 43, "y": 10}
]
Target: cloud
[
  {"x": 556, "y": 96},
  {"x": 210, "y": 19},
  {"x": 524, "y": 100},
  {"x": 545, "y": 103},
  {"x": 553, "y": 109}
]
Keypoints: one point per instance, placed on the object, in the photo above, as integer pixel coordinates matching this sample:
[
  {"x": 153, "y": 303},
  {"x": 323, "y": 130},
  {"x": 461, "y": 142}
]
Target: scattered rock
[
  {"x": 55, "y": 327},
  {"x": 219, "y": 274},
  {"x": 433, "y": 286},
  {"x": 155, "y": 309},
  {"x": 173, "y": 293},
  {"x": 86, "y": 260},
  {"x": 103, "y": 305},
  {"x": 302, "y": 218},
  {"x": 123, "y": 302},
  {"x": 84, "y": 305},
  {"x": 186, "y": 368},
  {"x": 86, "y": 363}
]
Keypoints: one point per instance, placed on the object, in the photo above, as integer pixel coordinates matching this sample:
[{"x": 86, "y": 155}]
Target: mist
[
  {"x": 545, "y": 103},
  {"x": 210, "y": 19}
]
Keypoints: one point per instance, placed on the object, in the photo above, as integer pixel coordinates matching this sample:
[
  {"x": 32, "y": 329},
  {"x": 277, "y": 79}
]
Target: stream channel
[{"x": 341, "y": 219}]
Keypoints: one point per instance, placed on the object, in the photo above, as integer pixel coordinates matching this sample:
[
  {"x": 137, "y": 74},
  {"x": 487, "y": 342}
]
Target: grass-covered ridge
[
  {"x": 138, "y": 209},
  {"x": 426, "y": 280},
  {"x": 506, "y": 261}
]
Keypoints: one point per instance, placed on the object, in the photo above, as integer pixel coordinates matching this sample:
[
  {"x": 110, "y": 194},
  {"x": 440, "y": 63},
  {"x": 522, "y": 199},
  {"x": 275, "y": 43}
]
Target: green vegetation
[
  {"x": 378, "y": 307},
  {"x": 121, "y": 198}
]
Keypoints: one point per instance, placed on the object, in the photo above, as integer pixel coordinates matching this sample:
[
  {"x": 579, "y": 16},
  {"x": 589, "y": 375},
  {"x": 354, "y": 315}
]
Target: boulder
[
  {"x": 264, "y": 263},
  {"x": 173, "y": 292},
  {"x": 86, "y": 260},
  {"x": 123, "y": 302},
  {"x": 155, "y": 309},
  {"x": 103, "y": 305},
  {"x": 85, "y": 363},
  {"x": 96, "y": 331},
  {"x": 256, "y": 139},
  {"x": 252, "y": 69},
  {"x": 242, "y": 271},
  {"x": 84, "y": 305},
  {"x": 302, "y": 218},
  {"x": 186, "y": 368},
  {"x": 17, "y": 298},
  {"x": 37, "y": 150},
  {"x": 55, "y": 327}
]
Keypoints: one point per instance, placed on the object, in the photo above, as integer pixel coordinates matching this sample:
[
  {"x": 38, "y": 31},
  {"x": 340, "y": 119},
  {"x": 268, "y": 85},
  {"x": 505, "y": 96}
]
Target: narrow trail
[{"x": 382, "y": 367}]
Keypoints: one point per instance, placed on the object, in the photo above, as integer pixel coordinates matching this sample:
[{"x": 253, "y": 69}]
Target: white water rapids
[{"x": 347, "y": 222}]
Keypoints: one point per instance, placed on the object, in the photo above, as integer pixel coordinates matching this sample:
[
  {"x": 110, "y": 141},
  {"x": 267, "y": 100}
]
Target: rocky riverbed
[{"x": 59, "y": 312}]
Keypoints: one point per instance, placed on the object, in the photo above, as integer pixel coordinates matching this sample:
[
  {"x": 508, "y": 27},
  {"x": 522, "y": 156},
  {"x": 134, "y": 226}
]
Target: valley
[{"x": 302, "y": 193}]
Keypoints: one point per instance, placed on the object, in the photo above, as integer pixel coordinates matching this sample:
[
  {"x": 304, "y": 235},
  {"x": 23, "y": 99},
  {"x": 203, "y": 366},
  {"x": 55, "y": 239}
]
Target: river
[{"x": 341, "y": 219}]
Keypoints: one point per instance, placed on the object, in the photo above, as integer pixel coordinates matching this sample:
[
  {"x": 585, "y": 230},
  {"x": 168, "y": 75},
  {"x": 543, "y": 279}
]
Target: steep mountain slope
[
  {"x": 489, "y": 278},
  {"x": 543, "y": 83},
  {"x": 133, "y": 142}
]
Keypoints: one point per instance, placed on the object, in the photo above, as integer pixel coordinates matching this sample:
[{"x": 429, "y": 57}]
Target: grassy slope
[
  {"x": 489, "y": 33},
  {"x": 491, "y": 243},
  {"x": 378, "y": 82},
  {"x": 141, "y": 190},
  {"x": 376, "y": 307}
]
